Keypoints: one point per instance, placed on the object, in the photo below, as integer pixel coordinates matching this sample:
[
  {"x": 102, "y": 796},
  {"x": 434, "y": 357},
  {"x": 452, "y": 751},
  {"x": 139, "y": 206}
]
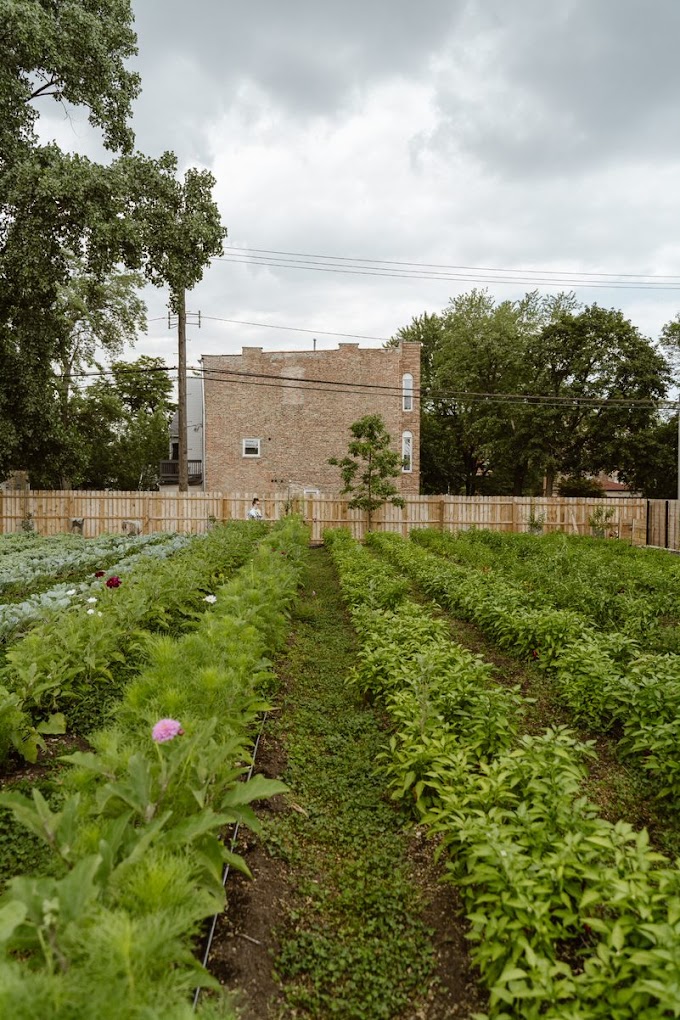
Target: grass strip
[{"x": 354, "y": 944}]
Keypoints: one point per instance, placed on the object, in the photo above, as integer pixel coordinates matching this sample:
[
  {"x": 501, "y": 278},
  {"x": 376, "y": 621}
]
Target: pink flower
[
  {"x": 113, "y": 582},
  {"x": 99, "y": 573},
  {"x": 166, "y": 729}
]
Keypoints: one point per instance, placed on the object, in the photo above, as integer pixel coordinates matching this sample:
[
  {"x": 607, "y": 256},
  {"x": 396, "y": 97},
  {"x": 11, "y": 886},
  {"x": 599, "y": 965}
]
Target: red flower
[
  {"x": 99, "y": 573},
  {"x": 534, "y": 654},
  {"x": 113, "y": 582}
]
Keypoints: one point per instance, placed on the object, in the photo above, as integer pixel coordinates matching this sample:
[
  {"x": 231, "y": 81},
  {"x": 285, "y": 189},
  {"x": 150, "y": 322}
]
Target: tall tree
[
  {"x": 120, "y": 424},
  {"x": 650, "y": 459},
  {"x": 55, "y": 206},
  {"x": 369, "y": 467},
  {"x": 595, "y": 355},
  {"x": 100, "y": 316},
  {"x": 484, "y": 428},
  {"x": 471, "y": 440}
]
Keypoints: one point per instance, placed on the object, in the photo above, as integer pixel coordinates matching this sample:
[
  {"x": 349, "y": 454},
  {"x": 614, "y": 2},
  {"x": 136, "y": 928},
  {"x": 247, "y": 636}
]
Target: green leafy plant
[
  {"x": 599, "y": 521},
  {"x": 369, "y": 467},
  {"x": 143, "y": 811},
  {"x": 566, "y": 910},
  {"x": 535, "y": 522}
]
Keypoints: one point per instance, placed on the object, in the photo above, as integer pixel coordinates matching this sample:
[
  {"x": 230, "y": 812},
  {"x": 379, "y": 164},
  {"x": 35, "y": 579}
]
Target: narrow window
[
  {"x": 407, "y": 392},
  {"x": 406, "y": 452},
  {"x": 251, "y": 447}
]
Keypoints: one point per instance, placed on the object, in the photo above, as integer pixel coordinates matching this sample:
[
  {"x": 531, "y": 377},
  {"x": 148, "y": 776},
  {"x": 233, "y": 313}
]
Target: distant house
[
  {"x": 613, "y": 489},
  {"x": 272, "y": 419},
  {"x": 169, "y": 469}
]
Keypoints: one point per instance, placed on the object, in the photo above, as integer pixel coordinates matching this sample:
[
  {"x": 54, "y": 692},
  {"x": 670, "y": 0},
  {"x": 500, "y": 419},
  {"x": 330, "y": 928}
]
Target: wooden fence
[{"x": 640, "y": 521}]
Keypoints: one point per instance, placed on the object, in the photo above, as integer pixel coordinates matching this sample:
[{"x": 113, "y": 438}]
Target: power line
[
  {"x": 424, "y": 270},
  {"x": 237, "y": 376},
  {"x": 295, "y": 329},
  {"x": 440, "y": 265},
  {"x": 405, "y": 275}
]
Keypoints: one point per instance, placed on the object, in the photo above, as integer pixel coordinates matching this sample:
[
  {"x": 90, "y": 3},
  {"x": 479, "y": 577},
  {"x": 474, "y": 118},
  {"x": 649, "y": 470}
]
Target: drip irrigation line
[{"x": 225, "y": 874}]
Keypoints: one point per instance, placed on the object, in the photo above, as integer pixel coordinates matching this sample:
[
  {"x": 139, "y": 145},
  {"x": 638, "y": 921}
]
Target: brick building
[{"x": 273, "y": 418}]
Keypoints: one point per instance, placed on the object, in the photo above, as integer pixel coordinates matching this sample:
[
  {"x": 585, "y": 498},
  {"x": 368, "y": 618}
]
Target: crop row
[
  {"x": 136, "y": 835},
  {"x": 17, "y": 616},
  {"x": 571, "y": 917},
  {"x": 74, "y": 659},
  {"x": 42, "y": 560},
  {"x": 614, "y": 585},
  {"x": 601, "y": 677}
]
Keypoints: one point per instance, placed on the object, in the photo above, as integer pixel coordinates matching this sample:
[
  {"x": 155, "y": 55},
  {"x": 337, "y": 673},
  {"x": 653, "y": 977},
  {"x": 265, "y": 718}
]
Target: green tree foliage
[
  {"x": 99, "y": 315},
  {"x": 133, "y": 212},
  {"x": 74, "y": 50},
  {"x": 369, "y": 467},
  {"x": 595, "y": 354},
  {"x": 479, "y": 353},
  {"x": 650, "y": 463},
  {"x": 579, "y": 485},
  {"x": 118, "y": 428}
]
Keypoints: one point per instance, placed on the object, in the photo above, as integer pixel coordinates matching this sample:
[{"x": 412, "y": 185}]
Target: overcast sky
[{"x": 526, "y": 135}]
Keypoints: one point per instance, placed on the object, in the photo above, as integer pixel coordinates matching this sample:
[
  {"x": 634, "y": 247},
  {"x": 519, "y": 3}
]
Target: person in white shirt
[{"x": 255, "y": 514}]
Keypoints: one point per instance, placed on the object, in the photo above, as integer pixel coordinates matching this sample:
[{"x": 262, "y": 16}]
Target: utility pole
[
  {"x": 181, "y": 317},
  {"x": 182, "y": 389}
]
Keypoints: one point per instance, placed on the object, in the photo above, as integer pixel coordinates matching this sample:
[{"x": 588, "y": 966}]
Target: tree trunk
[
  {"x": 182, "y": 390},
  {"x": 518, "y": 478}
]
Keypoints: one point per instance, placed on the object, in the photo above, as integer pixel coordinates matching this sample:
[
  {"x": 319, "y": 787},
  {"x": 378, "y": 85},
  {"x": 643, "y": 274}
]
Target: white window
[
  {"x": 407, "y": 392},
  {"x": 310, "y": 493},
  {"x": 406, "y": 451},
  {"x": 251, "y": 447}
]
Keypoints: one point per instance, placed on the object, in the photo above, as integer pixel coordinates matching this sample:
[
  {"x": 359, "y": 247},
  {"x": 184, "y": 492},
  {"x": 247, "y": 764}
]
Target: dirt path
[{"x": 346, "y": 915}]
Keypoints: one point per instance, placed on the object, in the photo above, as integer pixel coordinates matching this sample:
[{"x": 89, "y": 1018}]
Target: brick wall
[{"x": 300, "y": 425}]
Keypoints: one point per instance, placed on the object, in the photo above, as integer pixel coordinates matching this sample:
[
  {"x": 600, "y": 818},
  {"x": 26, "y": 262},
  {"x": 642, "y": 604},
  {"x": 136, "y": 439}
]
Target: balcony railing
[{"x": 169, "y": 470}]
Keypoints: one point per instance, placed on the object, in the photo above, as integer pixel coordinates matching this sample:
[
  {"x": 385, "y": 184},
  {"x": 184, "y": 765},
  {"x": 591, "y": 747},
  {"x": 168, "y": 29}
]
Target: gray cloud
[
  {"x": 558, "y": 88},
  {"x": 305, "y": 58}
]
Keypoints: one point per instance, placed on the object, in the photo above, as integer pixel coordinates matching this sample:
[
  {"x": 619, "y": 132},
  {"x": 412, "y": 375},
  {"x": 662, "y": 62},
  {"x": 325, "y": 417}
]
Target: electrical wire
[
  {"x": 368, "y": 389},
  {"x": 293, "y": 329},
  {"x": 346, "y": 387},
  {"x": 386, "y": 273},
  {"x": 562, "y": 274}
]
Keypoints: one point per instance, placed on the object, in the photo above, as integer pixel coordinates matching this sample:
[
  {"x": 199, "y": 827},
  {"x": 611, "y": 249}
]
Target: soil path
[{"x": 346, "y": 915}]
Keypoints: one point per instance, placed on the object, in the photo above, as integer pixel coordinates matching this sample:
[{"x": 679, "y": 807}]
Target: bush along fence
[
  {"x": 639, "y": 521},
  {"x": 571, "y": 917},
  {"x": 603, "y": 678},
  {"x": 136, "y": 835}
]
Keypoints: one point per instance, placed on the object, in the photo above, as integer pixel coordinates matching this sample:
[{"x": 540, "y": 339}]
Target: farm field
[{"x": 399, "y": 678}]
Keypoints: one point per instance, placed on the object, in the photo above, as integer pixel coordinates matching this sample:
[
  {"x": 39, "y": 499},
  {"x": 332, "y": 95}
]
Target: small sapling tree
[{"x": 369, "y": 467}]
